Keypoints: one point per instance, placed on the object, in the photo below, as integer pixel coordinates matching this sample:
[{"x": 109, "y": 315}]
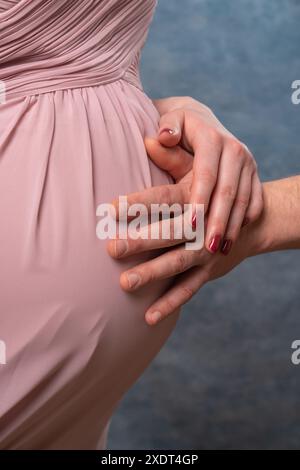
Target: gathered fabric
[
  {"x": 48, "y": 45},
  {"x": 72, "y": 131}
]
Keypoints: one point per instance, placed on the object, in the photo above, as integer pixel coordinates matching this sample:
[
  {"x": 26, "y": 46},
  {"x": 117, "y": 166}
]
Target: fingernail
[
  {"x": 154, "y": 317},
  {"x": 121, "y": 247},
  {"x": 133, "y": 280},
  {"x": 215, "y": 243},
  {"x": 194, "y": 221},
  {"x": 167, "y": 130},
  {"x": 246, "y": 222},
  {"x": 226, "y": 247}
]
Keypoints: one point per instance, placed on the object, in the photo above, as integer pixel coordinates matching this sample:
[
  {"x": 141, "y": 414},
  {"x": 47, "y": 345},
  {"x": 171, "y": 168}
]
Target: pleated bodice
[{"x": 50, "y": 45}]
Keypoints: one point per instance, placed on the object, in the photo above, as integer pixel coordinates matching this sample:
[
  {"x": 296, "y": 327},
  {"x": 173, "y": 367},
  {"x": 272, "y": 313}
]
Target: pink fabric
[{"x": 71, "y": 137}]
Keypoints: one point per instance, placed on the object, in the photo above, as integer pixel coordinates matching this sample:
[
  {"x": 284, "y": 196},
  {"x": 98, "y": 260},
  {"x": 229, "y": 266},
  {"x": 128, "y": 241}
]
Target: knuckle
[
  {"x": 183, "y": 102},
  {"x": 168, "y": 306},
  {"x": 250, "y": 156},
  {"x": 237, "y": 147},
  {"x": 180, "y": 262},
  {"x": 186, "y": 293},
  {"x": 207, "y": 175},
  {"x": 248, "y": 162},
  {"x": 148, "y": 275},
  {"x": 227, "y": 192},
  {"x": 215, "y": 136},
  {"x": 204, "y": 109},
  {"x": 165, "y": 194},
  {"x": 189, "y": 101},
  {"x": 242, "y": 202}
]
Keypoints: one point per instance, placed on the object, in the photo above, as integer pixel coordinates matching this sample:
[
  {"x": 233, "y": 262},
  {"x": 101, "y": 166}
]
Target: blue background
[{"x": 225, "y": 378}]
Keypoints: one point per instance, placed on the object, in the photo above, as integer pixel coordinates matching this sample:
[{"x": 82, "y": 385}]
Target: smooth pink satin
[{"x": 71, "y": 137}]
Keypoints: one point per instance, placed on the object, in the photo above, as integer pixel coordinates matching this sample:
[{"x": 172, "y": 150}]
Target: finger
[
  {"x": 165, "y": 194},
  {"x": 223, "y": 199},
  {"x": 238, "y": 212},
  {"x": 169, "y": 264},
  {"x": 182, "y": 291},
  {"x": 207, "y": 153},
  {"x": 176, "y": 161},
  {"x": 162, "y": 234},
  {"x": 170, "y": 127},
  {"x": 256, "y": 202}
]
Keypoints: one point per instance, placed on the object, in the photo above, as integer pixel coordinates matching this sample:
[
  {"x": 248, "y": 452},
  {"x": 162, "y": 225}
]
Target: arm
[{"x": 278, "y": 228}]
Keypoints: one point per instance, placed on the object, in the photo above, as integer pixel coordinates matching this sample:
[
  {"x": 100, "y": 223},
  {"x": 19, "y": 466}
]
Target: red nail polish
[
  {"x": 215, "y": 243},
  {"x": 194, "y": 221},
  {"x": 226, "y": 247}
]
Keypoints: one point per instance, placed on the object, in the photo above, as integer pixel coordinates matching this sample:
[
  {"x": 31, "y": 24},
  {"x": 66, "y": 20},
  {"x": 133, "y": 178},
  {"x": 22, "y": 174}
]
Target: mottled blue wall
[{"x": 225, "y": 379}]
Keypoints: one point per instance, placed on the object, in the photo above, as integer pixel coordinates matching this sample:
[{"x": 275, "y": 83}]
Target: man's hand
[{"x": 191, "y": 268}]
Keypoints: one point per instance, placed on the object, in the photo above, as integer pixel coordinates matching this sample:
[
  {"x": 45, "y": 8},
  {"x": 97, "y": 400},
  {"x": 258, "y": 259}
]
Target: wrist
[{"x": 278, "y": 226}]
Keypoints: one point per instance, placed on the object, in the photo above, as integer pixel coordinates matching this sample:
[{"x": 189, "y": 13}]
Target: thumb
[
  {"x": 170, "y": 126},
  {"x": 176, "y": 161}
]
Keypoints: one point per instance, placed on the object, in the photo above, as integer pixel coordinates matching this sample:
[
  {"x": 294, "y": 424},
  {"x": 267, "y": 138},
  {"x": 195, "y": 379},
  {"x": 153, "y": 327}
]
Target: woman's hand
[
  {"x": 224, "y": 177},
  {"x": 192, "y": 268}
]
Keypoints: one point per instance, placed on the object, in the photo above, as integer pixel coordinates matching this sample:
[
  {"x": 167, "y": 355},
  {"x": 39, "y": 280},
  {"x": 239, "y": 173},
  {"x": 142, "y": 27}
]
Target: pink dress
[{"x": 71, "y": 137}]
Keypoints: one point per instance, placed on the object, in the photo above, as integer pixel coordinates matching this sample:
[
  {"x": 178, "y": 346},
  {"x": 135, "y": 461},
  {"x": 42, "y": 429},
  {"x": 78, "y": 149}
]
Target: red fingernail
[
  {"x": 194, "y": 221},
  {"x": 215, "y": 243},
  {"x": 246, "y": 222},
  {"x": 226, "y": 247}
]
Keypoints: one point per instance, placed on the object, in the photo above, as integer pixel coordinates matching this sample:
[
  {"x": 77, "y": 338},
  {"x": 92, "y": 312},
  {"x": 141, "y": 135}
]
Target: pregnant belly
[{"x": 74, "y": 340}]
